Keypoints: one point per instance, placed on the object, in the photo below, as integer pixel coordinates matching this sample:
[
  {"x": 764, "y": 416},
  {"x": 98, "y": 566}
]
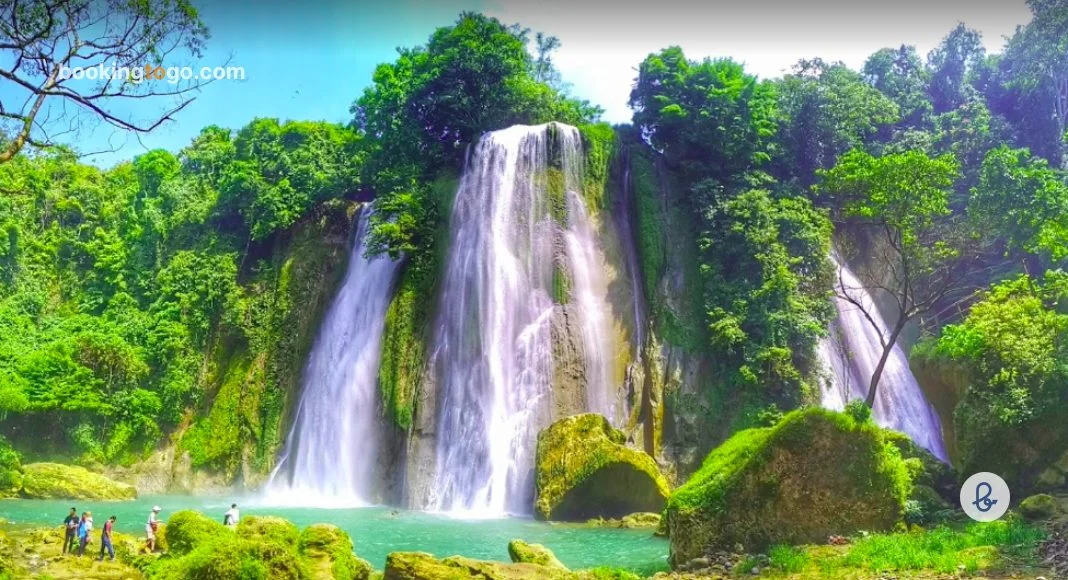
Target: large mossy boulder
[
  {"x": 187, "y": 529},
  {"x": 328, "y": 550},
  {"x": 584, "y": 470},
  {"x": 814, "y": 474},
  {"x": 423, "y": 566},
  {"x": 270, "y": 529},
  {"x": 57, "y": 481},
  {"x": 523, "y": 553}
]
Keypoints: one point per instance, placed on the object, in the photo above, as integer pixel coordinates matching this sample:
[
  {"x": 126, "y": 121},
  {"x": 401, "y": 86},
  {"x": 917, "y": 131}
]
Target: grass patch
[{"x": 1003, "y": 546}]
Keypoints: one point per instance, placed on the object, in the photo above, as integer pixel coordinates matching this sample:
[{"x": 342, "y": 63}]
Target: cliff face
[{"x": 254, "y": 384}]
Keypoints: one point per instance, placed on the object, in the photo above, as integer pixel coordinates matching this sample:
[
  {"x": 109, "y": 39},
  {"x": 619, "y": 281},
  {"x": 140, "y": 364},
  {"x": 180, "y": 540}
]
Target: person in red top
[{"x": 105, "y": 539}]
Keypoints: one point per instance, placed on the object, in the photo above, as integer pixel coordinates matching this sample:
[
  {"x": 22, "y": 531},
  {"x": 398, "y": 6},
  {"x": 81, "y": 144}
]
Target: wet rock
[
  {"x": 584, "y": 470},
  {"x": 330, "y": 556},
  {"x": 523, "y": 553},
  {"x": 423, "y": 566},
  {"x": 58, "y": 481},
  {"x": 788, "y": 484},
  {"x": 1039, "y": 507}
]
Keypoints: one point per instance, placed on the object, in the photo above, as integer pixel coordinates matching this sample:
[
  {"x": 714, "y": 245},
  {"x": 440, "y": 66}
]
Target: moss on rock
[
  {"x": 58, "y": 481},
  {"x": 1039, "y": 507},
  {"x": 814, "y": 474},
  {"x": 269, "y": 529},
  {"x": 523, "y": 553},
  {"x": 583, "y": 470},
  {"x": 423, "y": 566},
  {"x": 187, "y": 529},
  {"x": 328, "y": 550}
]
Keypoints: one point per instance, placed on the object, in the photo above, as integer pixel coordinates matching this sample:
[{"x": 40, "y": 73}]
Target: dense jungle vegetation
[{"x": 156, "y": 298}]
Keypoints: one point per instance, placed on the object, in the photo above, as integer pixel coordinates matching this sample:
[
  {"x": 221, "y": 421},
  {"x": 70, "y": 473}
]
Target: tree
[
  {"x": 42, "y": 40},
  {"x": 709, "y": 117},
  {"x": 904, "y": 199},
  {"x": 960, "y": 52},
  {"x": 765, "y": 289},
  {"x": 825, "y": 110},
  {"x": 544, "y": 68},
  {"x": 1036, "y": 63},
  {"x": 1024, "y": 200},
  {"x": 899, "y": 74}
]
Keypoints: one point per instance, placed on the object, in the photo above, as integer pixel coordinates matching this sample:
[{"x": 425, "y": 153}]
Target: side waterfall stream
[
  {"x": 332, "y": 450},
  {"x": 851, "y": 353}
]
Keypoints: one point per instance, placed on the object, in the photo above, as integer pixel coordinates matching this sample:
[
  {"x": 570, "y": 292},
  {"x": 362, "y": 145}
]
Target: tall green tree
[
  {"x": 709, "y": 117},
  {"x": 1024, "y": 201},
  {"x": 951, "y": 63},
  {"x": 918, "y": 245},
  {"x": 825, "y": 110},
  {"x": 899, "y": 74}
]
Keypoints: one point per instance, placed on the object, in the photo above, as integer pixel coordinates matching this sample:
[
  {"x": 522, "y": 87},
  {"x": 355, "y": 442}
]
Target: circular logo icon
[{"x": 984, "y": 497}]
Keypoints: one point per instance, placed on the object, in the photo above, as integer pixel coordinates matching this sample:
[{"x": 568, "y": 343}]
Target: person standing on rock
[
  {"x": 84, "y": 528},
  {"x": 150, "y": 529},
  {"x": 70, "y": 528},
  {"x": 105, "y": 539}
]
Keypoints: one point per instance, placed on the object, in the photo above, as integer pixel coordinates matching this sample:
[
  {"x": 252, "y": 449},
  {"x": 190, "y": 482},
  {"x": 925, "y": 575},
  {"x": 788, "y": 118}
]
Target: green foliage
[
  {"x": 825, "y": 110},
  {"x": 900, "y": 75},
  {"x": 599, "y": 145},
  {"x": 789, "y": 559},
  {"x": 1024, "y": 200},
  {"x": 860, "y": 412},
  {"x": 978, "y": 546},
  {"x": 710, "y": 118},
  {"x": 766, "y": 299},
  {"x": 424, "y": 108},
  {"x": 1014, "y": 347}
]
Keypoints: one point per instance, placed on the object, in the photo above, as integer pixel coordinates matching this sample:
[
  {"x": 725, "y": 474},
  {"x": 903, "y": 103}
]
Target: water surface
[{"x": 377, "y": 531}]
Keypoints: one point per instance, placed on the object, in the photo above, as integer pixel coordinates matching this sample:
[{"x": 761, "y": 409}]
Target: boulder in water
[
  {"x": 328, "y": 550},
  {"x": 523, "y": 553},
  {"x": 58, "y": 481},
  {"x": 584, "y": 471},
  {"x": 423, "y": 566},
  {"x": 815, "y": 474}
]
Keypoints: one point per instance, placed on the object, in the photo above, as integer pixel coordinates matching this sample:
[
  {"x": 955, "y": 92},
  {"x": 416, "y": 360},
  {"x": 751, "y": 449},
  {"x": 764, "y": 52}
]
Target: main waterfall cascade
[
  {"x": 332, "y": 451},
  {"x": 851, "y": 353},
  {"x": 492, "y": 353}
]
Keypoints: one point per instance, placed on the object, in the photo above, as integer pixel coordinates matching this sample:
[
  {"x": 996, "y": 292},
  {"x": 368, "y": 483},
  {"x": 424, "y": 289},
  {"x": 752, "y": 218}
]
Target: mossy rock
[
  {"x": 814, "y": 474},
  {"x": 269, "y": 529},
  {"x": 328, "y": 550},
  {"x": 1039, "y": 507},
  {"x": 58, "y": 481},
  {"x": 187, "y": 529},
  {"x": 584, "y": 471},
  {"x": 523, "y": 553},
  {"x": 423, "y": 566},
  {"x": 641, "y": 520}
]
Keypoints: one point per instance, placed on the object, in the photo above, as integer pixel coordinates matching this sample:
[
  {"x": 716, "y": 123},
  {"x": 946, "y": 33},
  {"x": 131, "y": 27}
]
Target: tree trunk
[{"x": 900, "y": 326}]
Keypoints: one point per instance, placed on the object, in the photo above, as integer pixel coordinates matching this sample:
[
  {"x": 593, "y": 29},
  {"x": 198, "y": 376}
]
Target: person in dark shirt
[
  {"x": 70, "y": 527},
  {"x": 105, "y": 539}
]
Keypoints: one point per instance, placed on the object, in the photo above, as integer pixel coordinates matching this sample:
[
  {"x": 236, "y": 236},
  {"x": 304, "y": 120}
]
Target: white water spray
[
  {"x": 852, "y": 352},
  {"x": 332, "y": 450}
]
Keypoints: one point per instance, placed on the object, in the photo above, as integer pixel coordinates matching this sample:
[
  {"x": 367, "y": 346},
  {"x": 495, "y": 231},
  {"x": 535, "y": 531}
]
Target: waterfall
[
  {"x": 852, "y": 352},
  {"x": 332, "y": 450},
  {"x": 630, "y": 249},
  {"x": 492, "y": 351}
]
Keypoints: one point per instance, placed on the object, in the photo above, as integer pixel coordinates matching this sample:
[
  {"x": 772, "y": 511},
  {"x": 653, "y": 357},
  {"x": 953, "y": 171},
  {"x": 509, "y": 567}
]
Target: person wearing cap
[{"x": 150, "y": 529}]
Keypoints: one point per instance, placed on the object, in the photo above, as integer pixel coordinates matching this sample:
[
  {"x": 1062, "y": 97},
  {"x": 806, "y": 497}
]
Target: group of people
[{"x": 78, "y": 529}]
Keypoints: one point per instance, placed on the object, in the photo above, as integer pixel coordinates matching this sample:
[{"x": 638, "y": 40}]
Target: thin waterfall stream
[
  {"x": 331, "y": 453},
  {"x": 851, "y": 353}
]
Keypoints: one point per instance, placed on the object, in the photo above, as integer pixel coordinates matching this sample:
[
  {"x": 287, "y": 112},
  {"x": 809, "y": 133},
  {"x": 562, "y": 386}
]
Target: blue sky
[{"x": 310, "y": 60}]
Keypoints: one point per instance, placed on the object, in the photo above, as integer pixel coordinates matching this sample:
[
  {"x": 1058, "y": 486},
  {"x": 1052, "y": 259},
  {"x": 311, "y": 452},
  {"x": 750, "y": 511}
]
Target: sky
[{"x": 310, "y": 60}]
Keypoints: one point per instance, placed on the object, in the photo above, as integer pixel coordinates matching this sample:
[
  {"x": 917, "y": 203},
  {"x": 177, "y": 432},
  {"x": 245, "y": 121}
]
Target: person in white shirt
[
  {"x": 232, "y": 516},
  {"x": 150, "y": 529}
]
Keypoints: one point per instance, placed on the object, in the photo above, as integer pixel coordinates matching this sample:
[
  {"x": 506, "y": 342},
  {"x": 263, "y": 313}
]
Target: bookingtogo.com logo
[{"x": 172, "y": 74}]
